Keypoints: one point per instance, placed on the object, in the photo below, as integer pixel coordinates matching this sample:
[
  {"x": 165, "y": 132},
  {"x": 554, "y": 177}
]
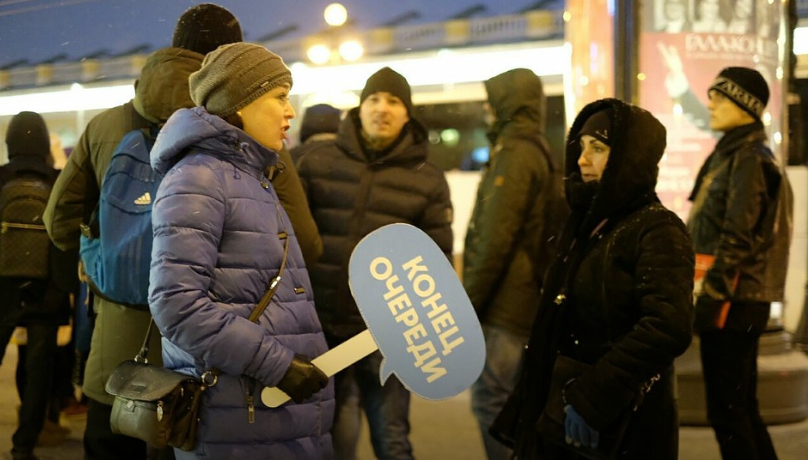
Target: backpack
[
  {"x": 116, "y": 247},
  {"x": 24, "y": 242}
]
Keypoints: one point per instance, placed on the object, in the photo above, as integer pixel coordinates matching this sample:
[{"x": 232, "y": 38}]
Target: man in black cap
[
  {"x": 740, "y": 223},
  {"x": 375, "y": 173},
  {"x": 161, "y": 89},
  {"x": 40, "y": 302}
]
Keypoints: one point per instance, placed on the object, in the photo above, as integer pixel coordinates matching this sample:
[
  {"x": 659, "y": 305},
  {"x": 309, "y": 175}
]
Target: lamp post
[{"x": 335, "y": 44}]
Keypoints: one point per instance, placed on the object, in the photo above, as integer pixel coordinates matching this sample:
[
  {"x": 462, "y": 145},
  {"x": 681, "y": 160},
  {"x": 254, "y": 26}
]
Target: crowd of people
[{"x": 564, "y": 263}]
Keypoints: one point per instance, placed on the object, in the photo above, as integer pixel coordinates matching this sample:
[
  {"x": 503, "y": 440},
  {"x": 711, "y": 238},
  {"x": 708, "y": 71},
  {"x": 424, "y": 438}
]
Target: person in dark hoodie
[
  {"x": 519, "y": 210},
  {"x": 617, "y": 297},
  {"x": 39, "y": 304},
  {"x": 375, "y": 173},
  {"x": 161, "y": 89}
]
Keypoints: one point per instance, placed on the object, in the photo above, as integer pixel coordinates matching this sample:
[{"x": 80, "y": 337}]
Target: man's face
[
  {"x": 725, "y": 114},
  {"x": 383, "y": 116},
  {"x": 675, "y": 10}
]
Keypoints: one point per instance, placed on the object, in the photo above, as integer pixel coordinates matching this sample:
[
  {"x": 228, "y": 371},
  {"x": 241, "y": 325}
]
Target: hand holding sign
[{"x": 418, "y": 315}]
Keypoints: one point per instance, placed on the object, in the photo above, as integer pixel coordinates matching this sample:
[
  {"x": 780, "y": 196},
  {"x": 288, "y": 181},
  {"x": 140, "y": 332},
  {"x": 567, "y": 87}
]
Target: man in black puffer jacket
[
  {"x": 375, "y": 173},
  {"x": 741, "y": 215},
  {"x": 520, "y": 208}
]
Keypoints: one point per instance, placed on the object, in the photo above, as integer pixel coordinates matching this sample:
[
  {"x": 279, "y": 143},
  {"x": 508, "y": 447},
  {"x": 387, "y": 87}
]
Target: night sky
[{"x": 41, "y": 30}]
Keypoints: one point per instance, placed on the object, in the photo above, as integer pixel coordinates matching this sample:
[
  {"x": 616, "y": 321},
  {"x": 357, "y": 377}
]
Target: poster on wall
[
  {"x": 684, "y": 44},
  {"x": 590, "y": 37}
]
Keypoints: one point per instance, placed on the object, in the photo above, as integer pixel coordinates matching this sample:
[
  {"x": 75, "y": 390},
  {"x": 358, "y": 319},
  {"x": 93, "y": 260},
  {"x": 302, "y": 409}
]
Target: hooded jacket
[
  {"x": 352, "y": 195},
  {"x": 217, "y": 226},
  {"x": 161, "y": 89},
  {"x": 742, "y": 214},
  {"x": 625, "y": 267},
  {"x": 520, "y": 208}
]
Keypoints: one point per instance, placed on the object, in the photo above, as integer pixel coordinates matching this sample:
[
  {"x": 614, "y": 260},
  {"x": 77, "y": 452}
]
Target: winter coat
[
  {"x": 27, "y": 301},
  {"x": 520, "y": 208},
  {"x": 625, "y": 267},
  {"x": 738, "y": 219},
  {"x": 161, "y": 89},
  {"x": 217, "y": 225},
  {"x": 351, "y": 195}
]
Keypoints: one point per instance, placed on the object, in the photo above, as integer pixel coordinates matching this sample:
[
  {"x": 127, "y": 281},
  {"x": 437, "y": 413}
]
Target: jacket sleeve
[
  {"x": 290, "y": 191},
  {"x": 188, "y": 220},
  {"x": 746, "y": 198},
  {"x": 506, "y": 192},
  {"x": 436, "y": 220},
  {"x": 662, "y": 287},
  {"x": 69, "y": 204}
]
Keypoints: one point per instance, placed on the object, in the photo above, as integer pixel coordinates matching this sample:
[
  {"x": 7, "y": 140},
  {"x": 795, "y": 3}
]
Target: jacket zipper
[{"x": 249, "y": 390}]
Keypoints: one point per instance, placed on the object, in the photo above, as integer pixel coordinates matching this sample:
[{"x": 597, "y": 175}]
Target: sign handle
[{"x": 330, "y": 362}]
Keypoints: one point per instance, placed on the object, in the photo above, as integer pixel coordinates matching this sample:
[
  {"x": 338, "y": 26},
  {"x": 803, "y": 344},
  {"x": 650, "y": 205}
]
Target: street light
[
  {"x": 327, "y": 50},
  {"x": 335, "y": 15}
]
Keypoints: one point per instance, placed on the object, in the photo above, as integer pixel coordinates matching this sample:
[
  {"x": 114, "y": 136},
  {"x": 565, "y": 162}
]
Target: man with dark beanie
[
  {"x": 375, "y": 173},
  {"x": 39, "y": 303},
  {"x": 161, "y": 89},
  {"x": 740, "y": 220}
]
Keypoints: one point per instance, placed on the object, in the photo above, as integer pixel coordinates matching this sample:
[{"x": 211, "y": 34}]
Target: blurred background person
[
  {"x": 320, "y": 124},
  {"x": 510, "y": 240},
  {"x": 40, "y": 302}
]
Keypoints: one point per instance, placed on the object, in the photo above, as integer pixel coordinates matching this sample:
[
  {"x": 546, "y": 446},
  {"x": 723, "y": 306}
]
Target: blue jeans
[
  {"x": 504, "y": 353},
  {"x": 387, "y": 409}
]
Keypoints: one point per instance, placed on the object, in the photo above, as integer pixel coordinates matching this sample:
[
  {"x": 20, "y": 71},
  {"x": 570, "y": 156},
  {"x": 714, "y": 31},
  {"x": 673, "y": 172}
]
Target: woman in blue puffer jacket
[{"x": 219, "y": 236}]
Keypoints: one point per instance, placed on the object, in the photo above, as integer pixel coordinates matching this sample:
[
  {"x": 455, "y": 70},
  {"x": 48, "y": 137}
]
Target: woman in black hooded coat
[{"x": 618, "y": 297}]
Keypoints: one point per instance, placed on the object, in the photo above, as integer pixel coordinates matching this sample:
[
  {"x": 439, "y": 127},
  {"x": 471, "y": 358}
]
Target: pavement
[{"x": 441, "y": 430}]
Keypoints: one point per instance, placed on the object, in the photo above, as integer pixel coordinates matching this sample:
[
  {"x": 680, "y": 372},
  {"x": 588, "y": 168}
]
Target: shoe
[
  {"x": 75, "y": 409},
  {"x": 52, "y": 437},
  {"x": 23, "y": 455},
  {"x": 55, "y": 427}
]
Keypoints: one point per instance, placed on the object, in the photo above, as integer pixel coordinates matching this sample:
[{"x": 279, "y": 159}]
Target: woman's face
[
  {"x": 266, "y": 119},
  {"x": 593, "y": 159}
]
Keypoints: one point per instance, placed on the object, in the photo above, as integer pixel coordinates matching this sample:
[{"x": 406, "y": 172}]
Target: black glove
[
  {"x": 302, "y": 379},
  {"x": 709, "y": 314}
]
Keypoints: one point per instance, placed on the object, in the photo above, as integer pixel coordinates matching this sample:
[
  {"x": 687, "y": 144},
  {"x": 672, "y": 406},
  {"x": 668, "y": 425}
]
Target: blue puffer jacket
[{"x": 216, "y": 222}]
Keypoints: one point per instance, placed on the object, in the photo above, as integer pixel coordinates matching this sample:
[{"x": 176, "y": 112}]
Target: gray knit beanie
[{"x": 234, "y": 75}]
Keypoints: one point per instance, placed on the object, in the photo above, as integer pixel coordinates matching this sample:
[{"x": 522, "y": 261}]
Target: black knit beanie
[
  {"x": 319, "y": 118},
  {"x": 390, "y": 81},
  {"x": 205, "y": 27},
  {"x": 599, "y": 126},
  {"x": 28, "y": 135},
  {"x": 745, "y": 87}
]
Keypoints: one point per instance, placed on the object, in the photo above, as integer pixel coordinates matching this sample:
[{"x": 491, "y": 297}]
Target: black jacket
[
  {"x": 741, "y": 214},
  {"x": 351, "y": 195},
  {"x": 519, "y": 211},
  {"x": 625, "y": 264}
]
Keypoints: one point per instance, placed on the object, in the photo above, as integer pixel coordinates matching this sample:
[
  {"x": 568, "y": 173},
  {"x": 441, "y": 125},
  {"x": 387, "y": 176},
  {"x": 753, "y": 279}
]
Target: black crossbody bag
[{"x": 161, "y": 406}]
